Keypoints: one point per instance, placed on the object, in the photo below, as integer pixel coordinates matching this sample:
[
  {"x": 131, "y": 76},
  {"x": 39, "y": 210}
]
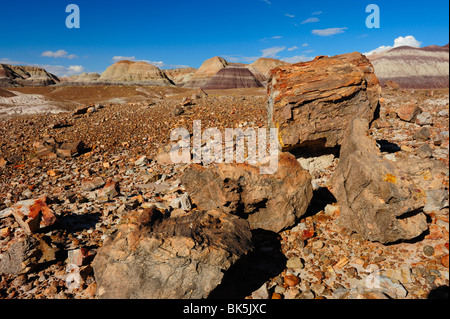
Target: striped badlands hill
[
  {"x": 410, "y": 67},
  {"x": 132, "y": 73},
  {"x": 234, "y": 76},
  {"x": 18, "y": 75}
]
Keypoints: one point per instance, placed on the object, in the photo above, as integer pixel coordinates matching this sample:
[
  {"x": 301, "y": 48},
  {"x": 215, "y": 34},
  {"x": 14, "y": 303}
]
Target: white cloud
[
  {"x": 310, "y": 20},
  {"x": 272, "y": 52},
  {"x": 118, "y": 58},
  {"x": 75, "y": 69},
  {"x": 267, "y": 1},
  {"x": 305, "y": 44},
  {"x": 9, "y": 61},
  {"x": 328, "y": 32},
  {"x": 316, "y": 13},
  {"x": 297, "y": 58},
  {"x": 293, "y": 48},
  {"x": 409, "y": 40},
  {"x": 58, "y": 54},
  {"x": 289, "y": 15}
]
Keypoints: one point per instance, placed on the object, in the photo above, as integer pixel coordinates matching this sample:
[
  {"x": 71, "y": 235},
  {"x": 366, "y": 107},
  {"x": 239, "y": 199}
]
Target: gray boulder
[
  {"x": 183, "y": 257},
  {"x": 378, "y": 200}
]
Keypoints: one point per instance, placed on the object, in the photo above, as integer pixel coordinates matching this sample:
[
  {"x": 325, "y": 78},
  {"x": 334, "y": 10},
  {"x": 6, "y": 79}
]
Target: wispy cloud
[
  {"x": 267, "y": 1},
  {"x": 297, "y": 58},
  {"x": 316, "y": 13},
  {"x": 159, "y": 64},
  {"x": 310, "y": 20},
  {"x": 58, "y": 54},
  {"x": 272, "y": 52},
  {"x": 328, "y": 32},
  {"x": 9, "y": 61},
  {"x": 290, "y": 15},
  {"x": 305, "y": 44},
  {"x": 277, "y": 37},
  {"x": 293, "y": 48}
]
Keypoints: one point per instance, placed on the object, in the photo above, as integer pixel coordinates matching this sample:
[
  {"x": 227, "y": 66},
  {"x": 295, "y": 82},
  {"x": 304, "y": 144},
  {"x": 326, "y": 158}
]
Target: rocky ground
[{"x": 118, "y": 171}]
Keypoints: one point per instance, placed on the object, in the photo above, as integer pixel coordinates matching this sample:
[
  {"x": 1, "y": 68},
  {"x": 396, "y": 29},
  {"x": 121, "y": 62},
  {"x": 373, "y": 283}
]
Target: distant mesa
[
  {"x": 413, "y": 68},
  {"x": 130, "y": 72},
  {"x": 17, "y": 76},
  {"x": 180, "y": 76},
  {"x": 82, "y": 78},
  {"x": 216, "y": 70},
  {"x": 261, "y": 68},
  {"x": 207, "y": 70}
]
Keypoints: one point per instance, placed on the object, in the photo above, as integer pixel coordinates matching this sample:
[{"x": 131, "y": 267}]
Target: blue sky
[{"x": 185, "y": 33}]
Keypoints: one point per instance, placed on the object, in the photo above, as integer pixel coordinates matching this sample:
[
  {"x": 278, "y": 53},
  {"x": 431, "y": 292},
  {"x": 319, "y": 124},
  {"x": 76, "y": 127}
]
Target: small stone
[
  {"x": 308, "y": 294},
  {"x": 406, "y": 148},
  {"x": 141, "y": 161},
  {"x": 109, "y": 191},
  {"x": 428, "y": 250},
  {"x": 70, "y": 149},
  {"x": 292, "y": 293},
  {"x": 430, "y": 279},
  {"x": 408, "y": 112},
  {"x": 4, "y": 232},
  {"x": 31, "y": 214},
  {"x": 276, "y": 296},
  {"x": 291, "y": 280},
  {"x": 54, "y": 172},
  {"x": 425, "y": 151},
  {"x": 331, "y": 210},
  {"x": 423, "y": 134},
  {"x": 352, "y": 272},
  {"x": 295, "y": 263},
  {"x": 91, "y": 184},
  {"x": 261, "y": 293},
  {"x": 317, "y": 245},
  {"x": 424, "y": 118},
  {"x": 341, "y": 263},
  {"x": 279, "y": 289},
  {"x": 436, "y": 200},
  {"x": 389, "y": 287},
  {"x": 3, "y": 162},
  {"x": 444, "y": 261}
]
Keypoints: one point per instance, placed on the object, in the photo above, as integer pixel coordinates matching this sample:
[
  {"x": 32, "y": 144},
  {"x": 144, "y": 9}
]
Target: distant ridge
[
  {"x": 129, "y": 72},
  {"x": 410, "y": 67},
  {"x": 17, "y": 75}
]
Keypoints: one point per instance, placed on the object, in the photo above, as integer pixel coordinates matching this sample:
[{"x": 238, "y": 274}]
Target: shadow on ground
[{"x": 252, "y": 271}]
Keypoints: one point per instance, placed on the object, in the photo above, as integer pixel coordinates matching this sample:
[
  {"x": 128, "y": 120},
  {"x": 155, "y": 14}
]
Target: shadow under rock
[
  {"x": 388, "y": 147},
  {"x": 73, "y": 223},
  {"x": 441, "y": 292},
  {"x": 321, "y": 198},
  {"x": 252, "y": 271}
]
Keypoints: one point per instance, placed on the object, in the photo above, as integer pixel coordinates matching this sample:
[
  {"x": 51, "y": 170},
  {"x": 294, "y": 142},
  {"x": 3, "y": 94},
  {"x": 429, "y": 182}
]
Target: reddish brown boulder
[
  {"x": 31, "y": 214},
  {"x": 408, "y": 112},
  {"x": 270, "y": 202},
  {"x": 315, "y": 100}
]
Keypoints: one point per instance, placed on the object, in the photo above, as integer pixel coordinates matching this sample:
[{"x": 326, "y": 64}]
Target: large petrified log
[{"x": 315, "y": 100}]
